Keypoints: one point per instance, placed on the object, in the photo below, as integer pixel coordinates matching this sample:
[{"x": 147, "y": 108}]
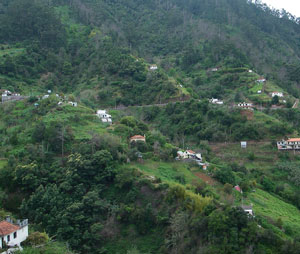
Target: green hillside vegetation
[{"x": 88, "y": 187}]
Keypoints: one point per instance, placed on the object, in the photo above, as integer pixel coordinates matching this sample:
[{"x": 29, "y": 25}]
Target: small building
[
  {"x": 248, "y": 209},
  {"x": 60, "y": 103},
  {"x": 49, "y": 91},
  {"x": 6, "y": 93},
  {"x": 104, "y": 116},
  {"x": 45, "y": 96},
  {"x": 290, "y": 144},
  {"x": 216, "y": 101},
  {"x": 138, "y": 138},
  {"x": 243, "y": 144},
  {"x": 259, "y": 91},
  {"x": 279, "y": 94},
  {"x": 153, "y": 67},
  {"x": 245, "y": 105},
  {"x": 238, "y": 188},
  {"x": 74, "y": 104},
  {"x": 189, "y": 154},
  {"x": 261, "y": 80},
  {"x": 250, "y": 71},
  {"x": 13, "y": 234}
]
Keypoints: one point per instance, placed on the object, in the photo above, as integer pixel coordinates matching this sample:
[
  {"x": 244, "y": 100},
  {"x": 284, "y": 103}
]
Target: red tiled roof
[
  {"x": 294, "y": 140},
  {"x": 7, "y": 228},
  {"x": 190, "y": 151},
  {"x": 137, "y": 137},
  {"x": 238, "y": 188}
]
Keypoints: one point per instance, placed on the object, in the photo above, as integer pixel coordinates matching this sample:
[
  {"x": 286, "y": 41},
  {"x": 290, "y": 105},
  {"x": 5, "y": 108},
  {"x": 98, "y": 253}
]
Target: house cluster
[
  {"x": 104, "y": 116},
  {"x": 290, "y": 144},
  {"x": 7, "y": 95},
  {"x": 245, "y": 105},
  {"x": 13, "y": 233},
  {"x": 216, "y": 101}
]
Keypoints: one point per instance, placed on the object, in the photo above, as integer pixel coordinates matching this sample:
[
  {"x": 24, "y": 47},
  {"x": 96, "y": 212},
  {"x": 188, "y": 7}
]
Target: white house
[
  {"x": 243, "y": 144},
  {"x": 248, "y": 209},
  {"x": 6, "y": 93},
  {"x": 250, "y": 71},
  {"x": 216, "y": 101},
  {"x": 290, "y": 144},
  {"x": 12, "y": 234},
  {"x": 259, "y": 91},
  {"x": 189, "y": 154},
  {"x": 45, "y": 96},
  {"x": 245, "y": 105},
  {"x": 74, "y": 104},
  {"x": 261, "y": 80},
  {"x": 49, "y": 91},
  {"x": 138, "y": 138},
  {"x": 153, "y": 67},
  {"x": 102, "y": 114},
  {"x": 279, "y": 94}
]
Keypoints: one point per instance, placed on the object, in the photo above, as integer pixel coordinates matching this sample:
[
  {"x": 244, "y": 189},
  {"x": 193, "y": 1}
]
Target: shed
[{"x": 243, "y": 144}]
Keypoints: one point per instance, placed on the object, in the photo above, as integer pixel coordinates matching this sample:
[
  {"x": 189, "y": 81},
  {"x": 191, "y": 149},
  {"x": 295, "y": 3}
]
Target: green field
[
  {"x": 174, "y": 172},
  {"x": 269, "y": 206}
]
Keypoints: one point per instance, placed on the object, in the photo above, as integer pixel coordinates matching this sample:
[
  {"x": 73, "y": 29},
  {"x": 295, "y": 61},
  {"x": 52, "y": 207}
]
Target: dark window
[
  {"x": 8, "y": 238},
  {"x": 15, "y": 235}
]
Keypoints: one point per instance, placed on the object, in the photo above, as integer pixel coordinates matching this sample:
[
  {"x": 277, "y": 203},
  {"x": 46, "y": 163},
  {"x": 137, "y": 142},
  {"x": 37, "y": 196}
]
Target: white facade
[
  {"x": 189, "y": 154},
  {"x": 245, "y": 105},
  {"x": 6, "y": 93},
  {"x": 153, "y": 67},
  {"x": 243, "y": 144},
  {"x": 105, "y": 118},
  {"x": 216, "y": 101},
  {"x": 16, "y": 234},
  {"x": 290, "y": 144},
  {"x": 74, "y": 104},
  {"x": 248, "y": 210},
  {"x": 259, "y": 91},
  {"x": 261, "y": 80},
  {"x": 279, "y": 94},
  {"x": 45, "y": 96}
]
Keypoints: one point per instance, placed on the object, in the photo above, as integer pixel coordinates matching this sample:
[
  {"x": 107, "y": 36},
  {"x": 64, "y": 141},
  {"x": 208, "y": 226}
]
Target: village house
[
  {"x": 261, "y": 80},
  {"x": 259, "y": 91},
  {"x": 250, "y": 71},
  {"x": 74, "y": 104},
  {"x": 279, "y": 94},
  {"x": 46, "y": 96},
  {"x": 13, "y": 234},
  {"x": 153, "y": 67},
  {"x": 138, "y": 138},
  {"x": 102, "y": 114},
  {"x": 243, "y": 144},
  {"x": 238, "y": 188},
  {"x": 245, "y": 105},
  {"x": 290, "y": 144},
  {"x": 216, "y": 101},
  {"x": 189, "y": 154},
  {"x": 248, "y": 209}
]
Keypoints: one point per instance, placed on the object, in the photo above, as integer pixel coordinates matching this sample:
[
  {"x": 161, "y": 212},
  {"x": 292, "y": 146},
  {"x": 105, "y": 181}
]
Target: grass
[
  {"x": 170, "y": 172},
  {"x": 2, "y": 163},
  {"x": 270, "y": 206},
  {"x": 10, "y": 51}
]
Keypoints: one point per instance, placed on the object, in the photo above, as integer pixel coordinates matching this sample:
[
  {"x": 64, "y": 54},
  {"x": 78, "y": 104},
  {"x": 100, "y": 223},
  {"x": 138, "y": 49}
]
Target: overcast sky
[{"x": 292, "y": 6}]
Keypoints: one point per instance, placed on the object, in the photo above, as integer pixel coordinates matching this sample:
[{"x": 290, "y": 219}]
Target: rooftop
[{"x": 7, "y": 228}]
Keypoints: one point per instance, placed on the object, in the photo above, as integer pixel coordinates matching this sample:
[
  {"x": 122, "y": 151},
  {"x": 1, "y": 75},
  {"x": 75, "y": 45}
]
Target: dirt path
[{"x": 207, "y": 179}]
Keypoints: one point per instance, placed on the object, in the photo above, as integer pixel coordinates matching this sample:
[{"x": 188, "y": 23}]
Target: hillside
[{"x": 193, "y": 79}]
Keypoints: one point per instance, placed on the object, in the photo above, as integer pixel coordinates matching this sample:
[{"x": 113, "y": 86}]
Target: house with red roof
[
  {"x": 290, "y": 144},
  {"x": 238, "y": 188},
  {"x": 138, "y": 138},
  {"x": 13, "y": 233}
]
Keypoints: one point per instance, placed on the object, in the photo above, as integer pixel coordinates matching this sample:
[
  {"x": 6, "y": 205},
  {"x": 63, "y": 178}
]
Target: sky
[{"x": 292, "y": 6}]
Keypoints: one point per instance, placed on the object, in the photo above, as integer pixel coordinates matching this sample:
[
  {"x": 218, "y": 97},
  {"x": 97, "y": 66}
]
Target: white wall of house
[{"x": 15, "y": 238}]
